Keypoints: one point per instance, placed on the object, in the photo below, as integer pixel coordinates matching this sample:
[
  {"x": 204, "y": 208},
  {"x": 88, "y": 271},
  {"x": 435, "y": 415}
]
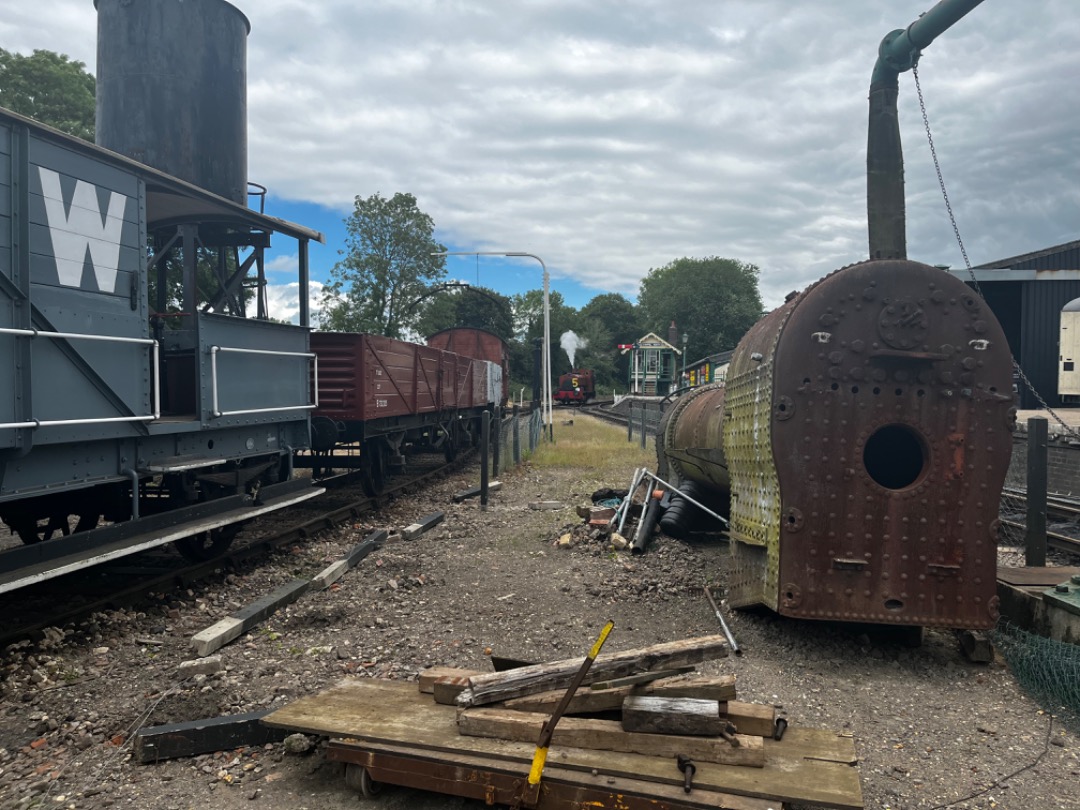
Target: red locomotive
[{"x": 576, "y": 387}]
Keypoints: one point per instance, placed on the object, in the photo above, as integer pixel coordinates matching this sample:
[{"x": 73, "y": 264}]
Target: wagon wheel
[
  {"x": 30, "y": 532},
  {"x": 358, "y": 778},
  {"x": 450, "y": 448},
  {"x": 373, "y": 469},
  {"x": 207, "y": 545}
]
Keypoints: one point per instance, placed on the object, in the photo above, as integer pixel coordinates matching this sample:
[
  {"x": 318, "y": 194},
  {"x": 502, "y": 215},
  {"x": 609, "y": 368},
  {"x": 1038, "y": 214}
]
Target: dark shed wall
[
  {"x": 1067, "y": 259},
  {"x": 1040, "y": 323}
]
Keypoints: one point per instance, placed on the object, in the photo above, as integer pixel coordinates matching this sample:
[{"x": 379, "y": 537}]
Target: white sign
[{"x": 80, "y": 228}]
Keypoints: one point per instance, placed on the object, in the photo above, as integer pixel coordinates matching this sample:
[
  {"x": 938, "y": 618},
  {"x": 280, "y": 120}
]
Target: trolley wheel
[
  {"x": 358, "y": 778},
  {"x": 207, "y": 545}
]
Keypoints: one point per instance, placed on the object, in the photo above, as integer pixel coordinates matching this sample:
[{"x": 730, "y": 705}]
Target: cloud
[
  {"x": 283, "y": 301},
  {"x": 613, "y": 137}
]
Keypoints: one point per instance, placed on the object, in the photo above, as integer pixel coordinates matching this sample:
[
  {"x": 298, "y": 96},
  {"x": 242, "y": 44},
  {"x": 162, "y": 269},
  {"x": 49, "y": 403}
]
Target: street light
[
  {"x": 685, "y": 340},
  {"x": 545, "y": 384}
]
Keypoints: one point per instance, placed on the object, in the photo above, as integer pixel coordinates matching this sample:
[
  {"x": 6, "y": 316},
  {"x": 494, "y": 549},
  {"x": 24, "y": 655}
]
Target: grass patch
[{"x": 591, "y": 444}]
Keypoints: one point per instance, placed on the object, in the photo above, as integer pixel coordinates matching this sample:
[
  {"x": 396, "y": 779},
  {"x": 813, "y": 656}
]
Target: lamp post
[
  {"x": 545, "y": 383},
  {"x": 685, "y": 340}
]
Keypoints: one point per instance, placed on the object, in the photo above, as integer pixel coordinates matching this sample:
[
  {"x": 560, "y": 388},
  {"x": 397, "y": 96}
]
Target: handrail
[
  {"x": 216, "y": 350},
  {"x": 38, "y": 423}
]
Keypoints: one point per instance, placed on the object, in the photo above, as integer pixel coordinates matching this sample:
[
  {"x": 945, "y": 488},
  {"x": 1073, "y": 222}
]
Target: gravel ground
[{"x": 929, "y": 727}]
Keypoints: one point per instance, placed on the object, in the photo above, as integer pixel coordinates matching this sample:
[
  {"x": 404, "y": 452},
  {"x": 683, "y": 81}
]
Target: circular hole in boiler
[
  {"x": 895, "y": 456},
  {"x": 835, "y": 386},
  {"x": 899, "y": 392},
  {"x": 876, "y": 391},
  {"x": 921, "y": 392},
  {"x": 210, "y": 445},
  {"x": 854, "y": 389},
  {"x": 894, "y": 604}
]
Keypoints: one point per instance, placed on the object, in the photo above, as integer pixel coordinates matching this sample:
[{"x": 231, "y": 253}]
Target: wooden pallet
[{"x": 808, "y": 766}]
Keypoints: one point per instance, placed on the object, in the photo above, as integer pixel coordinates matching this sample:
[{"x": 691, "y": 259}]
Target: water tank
[{"x": 172, "y": 88}]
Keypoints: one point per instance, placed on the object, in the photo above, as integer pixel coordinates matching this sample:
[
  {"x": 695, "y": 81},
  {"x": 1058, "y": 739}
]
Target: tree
[
  {"x": 623, "y": 323},
  {"x": 49, "y": 88},
  {"x": 712, "y": 300},
  {"x": 387, "y": 266},
  {"x": 467, "y": 305}
]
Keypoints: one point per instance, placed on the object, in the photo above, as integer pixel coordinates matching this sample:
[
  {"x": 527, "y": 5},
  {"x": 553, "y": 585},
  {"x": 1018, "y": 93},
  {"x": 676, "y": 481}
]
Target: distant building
[
  {"x": 1027, "y": 294},
  {"x": 654, "y": 370},
  {"x": 711, "y": 369}
]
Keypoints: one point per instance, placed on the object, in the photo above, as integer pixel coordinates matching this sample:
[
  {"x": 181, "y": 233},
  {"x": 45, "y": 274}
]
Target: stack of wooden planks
[
  {"x": 641, "y": 701},
  {"x": 472, "y": 734}
]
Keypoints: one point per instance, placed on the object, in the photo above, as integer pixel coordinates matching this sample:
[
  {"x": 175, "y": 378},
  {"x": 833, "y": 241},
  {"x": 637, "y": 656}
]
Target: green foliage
[
  {"x": 478, "y": 307},
  {"x": 624, "y": 324},
  {"x": 529, "y": 325},
  {"x": 387, "y": 266},
  {"x": 49, "y": 88},
  {"x": 713, "y": 300}
]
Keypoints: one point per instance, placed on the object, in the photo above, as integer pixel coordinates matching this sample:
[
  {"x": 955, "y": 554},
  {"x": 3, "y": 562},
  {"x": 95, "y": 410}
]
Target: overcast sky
[{"x": 613, "y": 137}]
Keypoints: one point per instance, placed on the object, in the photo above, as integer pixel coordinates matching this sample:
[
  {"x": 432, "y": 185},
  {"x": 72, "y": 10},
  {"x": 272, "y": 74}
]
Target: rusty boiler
[{"x": 863, "y": 432}]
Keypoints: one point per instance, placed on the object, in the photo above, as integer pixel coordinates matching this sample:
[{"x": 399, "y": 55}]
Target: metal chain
[{"x": 967, "y": 262}]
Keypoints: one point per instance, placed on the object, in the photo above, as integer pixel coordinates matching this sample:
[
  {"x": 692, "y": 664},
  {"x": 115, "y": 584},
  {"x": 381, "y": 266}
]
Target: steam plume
[{"x": 571, "y": 343}]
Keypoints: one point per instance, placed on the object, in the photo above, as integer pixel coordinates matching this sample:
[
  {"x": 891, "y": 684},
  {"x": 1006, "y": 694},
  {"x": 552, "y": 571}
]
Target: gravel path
[{"x": 929, "y": 727}]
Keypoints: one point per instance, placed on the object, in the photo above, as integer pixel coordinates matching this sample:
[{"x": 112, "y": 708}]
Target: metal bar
[
  {"x": 233, "y": 350},
  {"x": 38, "y": 423},
  {"x": 1035, "y": 540},
  {"x": 644, "y": 412},
  {"x": 723, "y": 625},
  {"x": 33, "y": 333},
  {"x": 216, "y": 410},
  {"x": 35, "y": 423},
  {"x": 531, "y": 789},
  {"x": 682, "y": 494},
  {"x": 305, "y": 283},
  {"x": 625, "y": 505}
]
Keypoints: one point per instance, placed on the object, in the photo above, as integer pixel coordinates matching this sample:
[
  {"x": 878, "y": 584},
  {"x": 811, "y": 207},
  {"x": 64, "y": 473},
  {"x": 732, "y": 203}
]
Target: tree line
[{"x": 389, "y": 283}]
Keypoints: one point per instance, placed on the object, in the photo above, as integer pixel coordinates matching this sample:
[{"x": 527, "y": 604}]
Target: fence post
[
  {"x": 630, "y": 422},
  {"x": 517, "y": 436},
  {"x": 496, "y": 441},
  {"x": 1035, "y": 541},
  {"x": 485, "y": 447},
  {"x": 644, "y": 413}
]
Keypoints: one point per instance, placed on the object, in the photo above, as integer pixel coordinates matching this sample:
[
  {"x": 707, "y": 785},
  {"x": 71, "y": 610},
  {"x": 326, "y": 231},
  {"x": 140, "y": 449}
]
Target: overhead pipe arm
[{"x": 898, "y": 52}]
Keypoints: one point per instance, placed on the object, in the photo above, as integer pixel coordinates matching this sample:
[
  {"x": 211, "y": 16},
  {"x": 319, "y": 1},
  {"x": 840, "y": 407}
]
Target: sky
[{"x": 612, "y": 137}]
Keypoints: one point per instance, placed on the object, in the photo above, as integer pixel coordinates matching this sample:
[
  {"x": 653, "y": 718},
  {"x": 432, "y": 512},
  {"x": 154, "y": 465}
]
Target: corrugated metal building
[{"x": 1027, "y": 293}]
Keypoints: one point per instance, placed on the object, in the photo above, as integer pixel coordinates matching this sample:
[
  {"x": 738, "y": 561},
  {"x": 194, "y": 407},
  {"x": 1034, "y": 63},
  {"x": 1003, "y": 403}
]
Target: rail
[
  {"x": 216, "y": 350},
  {"x": 38, "y": 423}
]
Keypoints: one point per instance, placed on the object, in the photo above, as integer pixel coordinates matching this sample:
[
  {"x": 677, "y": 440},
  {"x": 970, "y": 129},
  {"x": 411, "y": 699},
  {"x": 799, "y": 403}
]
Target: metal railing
[
  {"x": 38, "y": 423},
  {"x": 216, "y": 350}
]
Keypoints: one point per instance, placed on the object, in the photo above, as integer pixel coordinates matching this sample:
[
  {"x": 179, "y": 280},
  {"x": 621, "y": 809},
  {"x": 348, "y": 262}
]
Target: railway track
[
  {"x": 71, "y": 598},
  {"x": 1059, "y": 510}
]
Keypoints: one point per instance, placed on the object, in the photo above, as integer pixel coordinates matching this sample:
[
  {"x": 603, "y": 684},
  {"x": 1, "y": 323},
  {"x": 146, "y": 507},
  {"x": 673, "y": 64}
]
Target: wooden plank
[
  {"x": 414, "y": 530},
  {"x": 720, "y": 688},
  {"x": 664, "y": 715},
  {"x": 484, "y": 689},
  {"x": 156, "y": 743},
  {"x": 607, "y": 735},
  {"x": 1035, "y": 576},
  {"x": 448, "y": 687},
  {"x": 755, "y": 719},
  {"x": 216, "y": 636},
  {"x": 432, "y": 674},
  {"x": 643, "y": 677},
  {"x": 810, "y": 766},
  {"x": 482, "y": 778}
]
